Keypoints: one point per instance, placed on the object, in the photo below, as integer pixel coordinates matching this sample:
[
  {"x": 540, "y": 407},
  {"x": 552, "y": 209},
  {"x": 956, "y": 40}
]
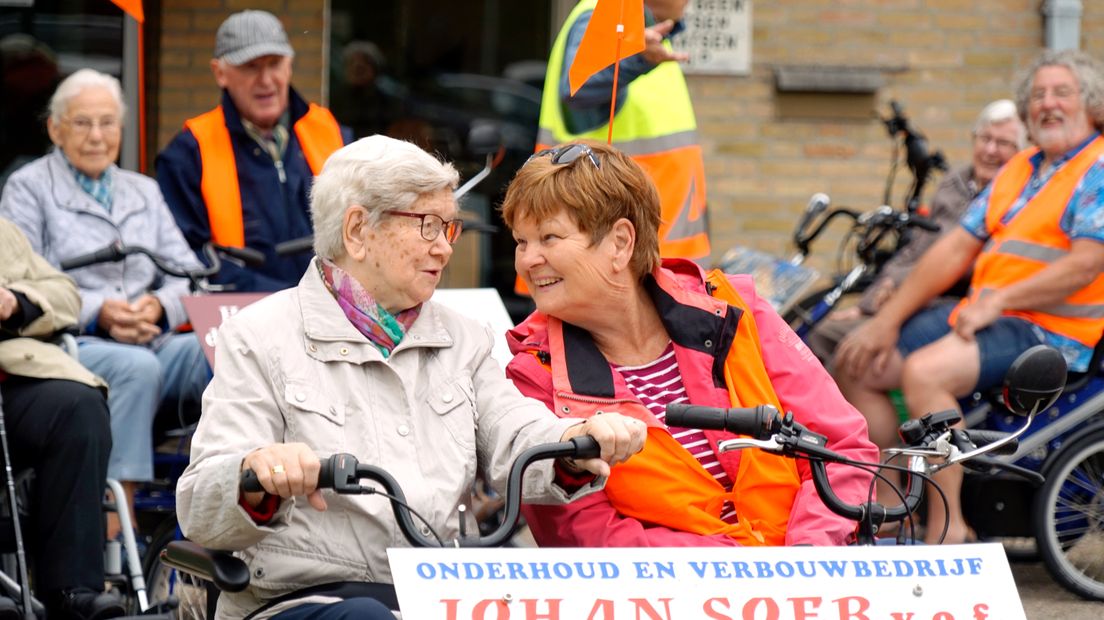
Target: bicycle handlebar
[
  {"x": 117, "y": 251},
  {"x": 928, "y": 437},
  {"x": 757, "y": 422},
  {"x": 342, "y": 473}
]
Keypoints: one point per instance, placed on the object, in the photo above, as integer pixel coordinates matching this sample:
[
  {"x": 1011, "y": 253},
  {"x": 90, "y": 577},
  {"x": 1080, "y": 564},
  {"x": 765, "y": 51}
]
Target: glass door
[{"x": 41, "y": 43}]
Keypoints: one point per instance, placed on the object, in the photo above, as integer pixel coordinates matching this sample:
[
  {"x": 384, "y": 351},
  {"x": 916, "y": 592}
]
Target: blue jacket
[{"x": 272, "y": 212}]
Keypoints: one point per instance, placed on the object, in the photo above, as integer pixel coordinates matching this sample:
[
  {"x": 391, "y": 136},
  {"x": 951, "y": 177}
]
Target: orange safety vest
[
  {"x": 318, "y": 133},
  {"x": 666, "y": 485},
  {"x": 1033, "y": 239}
]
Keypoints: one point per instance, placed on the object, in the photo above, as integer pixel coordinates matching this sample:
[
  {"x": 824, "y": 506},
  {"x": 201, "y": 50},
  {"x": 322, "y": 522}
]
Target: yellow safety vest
[{"x": 655, "y": 127}]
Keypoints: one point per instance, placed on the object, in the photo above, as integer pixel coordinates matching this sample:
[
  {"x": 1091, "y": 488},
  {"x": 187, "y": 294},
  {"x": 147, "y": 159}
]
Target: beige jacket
[
  {"x": 292, "y": 368},
  {"x": 26, "y": 272}
]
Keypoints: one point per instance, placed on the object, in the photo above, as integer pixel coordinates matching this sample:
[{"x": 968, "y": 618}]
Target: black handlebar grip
[
  {"x": 586, "y": 447},
  {"x": 923, "y": 222},
  {"x": 249, "y": 482},
  {"x": 758, "y": 422},
  {"x": 249, "y": 256},
  {"x": 295, "y": 246},
  {"x": 981, "y": 437},
  {"x": 110, "y": 254}
]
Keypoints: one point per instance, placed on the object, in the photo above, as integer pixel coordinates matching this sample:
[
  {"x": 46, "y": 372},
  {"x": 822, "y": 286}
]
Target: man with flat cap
[{"x": 240, "y": 174}]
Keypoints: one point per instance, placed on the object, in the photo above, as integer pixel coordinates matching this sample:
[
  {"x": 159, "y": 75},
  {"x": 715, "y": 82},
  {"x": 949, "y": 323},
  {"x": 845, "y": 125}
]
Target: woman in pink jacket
[{"x": 617, "y": 329}]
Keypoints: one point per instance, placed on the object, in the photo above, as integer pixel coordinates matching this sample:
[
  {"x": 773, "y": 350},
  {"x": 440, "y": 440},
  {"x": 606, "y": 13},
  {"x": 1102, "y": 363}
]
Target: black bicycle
[
  {"x": 343, "y": 473},
  {"x": 147, "y": 584},
  {"x": 931, "y": 443},
  {"x": 873, "y": 237}
]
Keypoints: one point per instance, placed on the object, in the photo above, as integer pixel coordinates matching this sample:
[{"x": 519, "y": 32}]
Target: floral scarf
[{"x": 379, "y": 326}]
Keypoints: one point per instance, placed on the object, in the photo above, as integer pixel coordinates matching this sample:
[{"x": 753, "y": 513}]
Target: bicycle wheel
[
  {"x": 1069, "y": 518},
  {"x": 180, "y": 596}
]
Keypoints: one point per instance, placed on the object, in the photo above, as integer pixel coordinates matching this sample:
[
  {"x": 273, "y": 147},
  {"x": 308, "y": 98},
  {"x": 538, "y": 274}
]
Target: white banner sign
[
  {"x": 717, "y": 37},
  {"x": 954, "y": 582}
]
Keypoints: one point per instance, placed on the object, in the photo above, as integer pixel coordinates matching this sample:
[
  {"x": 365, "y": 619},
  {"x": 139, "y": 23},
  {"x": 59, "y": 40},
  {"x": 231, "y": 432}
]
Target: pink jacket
[{"x": 801, "y": 383}]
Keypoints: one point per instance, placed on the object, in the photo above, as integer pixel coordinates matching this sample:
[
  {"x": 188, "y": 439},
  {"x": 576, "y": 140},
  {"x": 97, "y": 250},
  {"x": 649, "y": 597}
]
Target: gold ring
[{"x": 277, "y": 469}]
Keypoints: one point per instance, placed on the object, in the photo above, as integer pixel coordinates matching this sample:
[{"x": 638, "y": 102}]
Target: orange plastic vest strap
[
  {"x": 1033, "y": 239},
  {"x": 219, "y": 180},
  {"x": 665, "y": 485},
  {"x": 319, "y": 136},
  {"x": 318, "y": 133}
]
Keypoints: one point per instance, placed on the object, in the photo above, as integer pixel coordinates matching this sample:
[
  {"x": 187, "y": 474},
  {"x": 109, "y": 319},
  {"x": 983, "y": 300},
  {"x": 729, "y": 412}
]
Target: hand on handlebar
[
  {"x": 286, "y": 470},
  {"x": 618, "y": 436},
  {"x": 868, "y": 348},
  {"x": 8, "y": 304}
]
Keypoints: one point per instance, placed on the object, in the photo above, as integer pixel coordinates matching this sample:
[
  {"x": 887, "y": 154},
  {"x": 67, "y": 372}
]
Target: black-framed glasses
[
  {"x": 433, "y": 224},
  {"x": 567, "y": 153}
]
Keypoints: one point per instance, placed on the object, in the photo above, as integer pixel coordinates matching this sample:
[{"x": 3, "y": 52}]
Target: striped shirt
[{"x": 658, "y": 384}]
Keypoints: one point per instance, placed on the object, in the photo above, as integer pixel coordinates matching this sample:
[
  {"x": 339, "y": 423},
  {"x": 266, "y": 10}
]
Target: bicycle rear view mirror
[{"x": 1034, "y": 380}]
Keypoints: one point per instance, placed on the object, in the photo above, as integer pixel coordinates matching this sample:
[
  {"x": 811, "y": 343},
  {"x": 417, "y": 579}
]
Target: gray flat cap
[{"x": 251, "y": 34}]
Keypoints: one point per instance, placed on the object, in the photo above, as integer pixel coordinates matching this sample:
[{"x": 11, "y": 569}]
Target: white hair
[
  {"x": 377, "y": 172},
  {"x": 998, "y": 112},
  {"x": 73, "y": 85}
]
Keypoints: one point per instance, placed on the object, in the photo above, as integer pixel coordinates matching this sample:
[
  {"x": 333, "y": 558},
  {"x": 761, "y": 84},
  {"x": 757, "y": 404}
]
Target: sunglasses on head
[{"x": 565, "y": 154}]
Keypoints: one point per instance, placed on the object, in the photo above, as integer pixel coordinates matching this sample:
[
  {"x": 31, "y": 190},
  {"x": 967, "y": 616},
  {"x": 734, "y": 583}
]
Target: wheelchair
[
  {"x": 1064, "y": 516},
  {"x": 128, "y": 578}
]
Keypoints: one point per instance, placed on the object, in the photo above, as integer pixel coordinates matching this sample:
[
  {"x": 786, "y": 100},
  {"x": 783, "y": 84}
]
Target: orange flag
[
  {"x": 602, "y": 44},
  {"x": 132, "y": 8}
]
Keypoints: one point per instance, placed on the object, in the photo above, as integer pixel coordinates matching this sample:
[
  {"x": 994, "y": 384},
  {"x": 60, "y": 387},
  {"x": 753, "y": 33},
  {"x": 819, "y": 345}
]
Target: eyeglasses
[
  {"x": 82, "y": 125},
  {"x": 432, "y": 225},
  {"x": 1058, "y": 92},
  {"x": 566, "y": 154},
  {"x": 984, "y": 140}
]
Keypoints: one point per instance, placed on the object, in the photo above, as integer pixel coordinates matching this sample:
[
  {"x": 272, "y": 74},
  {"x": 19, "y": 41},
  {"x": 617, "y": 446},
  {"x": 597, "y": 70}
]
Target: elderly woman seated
[
  {"x": 74, "y": 201},
  {"x": 357, "y": 359},
  {"x": 615, "y": 325}
]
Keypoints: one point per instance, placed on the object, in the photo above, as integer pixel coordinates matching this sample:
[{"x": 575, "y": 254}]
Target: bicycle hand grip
[
  {"x": 249, "y": 256},
  {"x": 923, "y": 222},
  {"x": 981, "y": 438},
  {"x": 336, "y": 466},
  {"x": 758, "y": 422},
  {"x": 295, "y": 246},
  {"x": 249, "y": 482},
  {"x": 110, "y": 254},
  {"x": 586, "y": 447}
]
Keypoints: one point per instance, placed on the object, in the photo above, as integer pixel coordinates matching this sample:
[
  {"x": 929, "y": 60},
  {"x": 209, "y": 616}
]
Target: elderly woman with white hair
[
  {"x": 358, "y": 359},
  {"x": 74, "y": 201}
]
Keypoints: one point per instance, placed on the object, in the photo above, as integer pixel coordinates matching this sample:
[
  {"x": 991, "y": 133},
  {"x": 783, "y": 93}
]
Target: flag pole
[{"x": 616, "y": 71}]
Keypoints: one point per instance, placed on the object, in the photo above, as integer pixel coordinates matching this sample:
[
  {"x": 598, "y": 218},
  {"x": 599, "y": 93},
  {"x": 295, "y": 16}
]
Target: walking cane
[{"x": 20, "y": 554}]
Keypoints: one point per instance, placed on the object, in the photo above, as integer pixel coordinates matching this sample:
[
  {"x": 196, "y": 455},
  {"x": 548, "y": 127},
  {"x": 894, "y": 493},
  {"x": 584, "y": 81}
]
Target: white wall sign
[
  {"x": 717, "y": 37},
  {"x": 949, "y": 582}
]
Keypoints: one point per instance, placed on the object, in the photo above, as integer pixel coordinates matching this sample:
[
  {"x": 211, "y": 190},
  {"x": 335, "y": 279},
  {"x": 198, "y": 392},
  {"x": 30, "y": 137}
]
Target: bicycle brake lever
[{"x": 339, "y": 472}]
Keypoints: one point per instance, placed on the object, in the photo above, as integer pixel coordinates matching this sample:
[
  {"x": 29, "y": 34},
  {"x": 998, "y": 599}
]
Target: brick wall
[
  {"x": 943, "y": 60},
  {"x": 187, "y": 40}
]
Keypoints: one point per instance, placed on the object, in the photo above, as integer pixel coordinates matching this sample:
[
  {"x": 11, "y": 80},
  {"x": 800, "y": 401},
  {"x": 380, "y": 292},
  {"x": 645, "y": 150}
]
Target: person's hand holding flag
[{"x": 655, "y": 51}]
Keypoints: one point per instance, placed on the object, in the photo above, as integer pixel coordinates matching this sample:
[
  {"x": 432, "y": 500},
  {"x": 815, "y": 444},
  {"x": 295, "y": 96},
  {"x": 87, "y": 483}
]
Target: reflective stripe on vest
[
  {"x": 318, "y": 133},
  {"x": 666, "y": 485},
  {"x": 1033, "y": 239},
  {"x": 656, "y": 127}
]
